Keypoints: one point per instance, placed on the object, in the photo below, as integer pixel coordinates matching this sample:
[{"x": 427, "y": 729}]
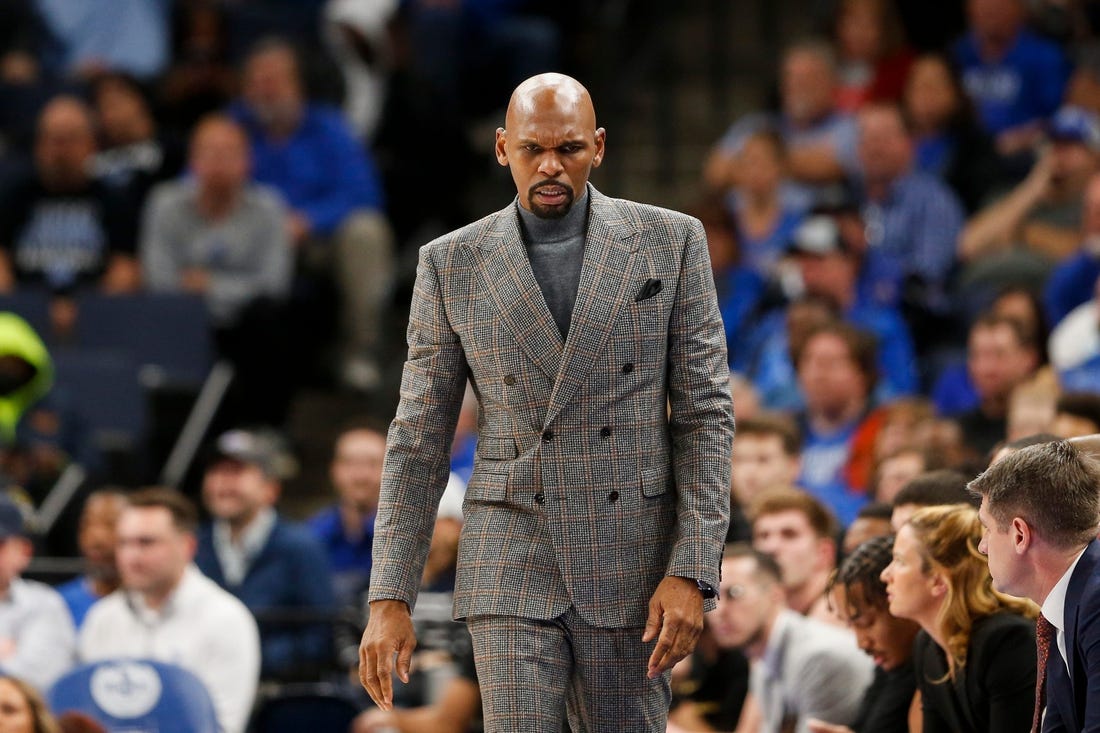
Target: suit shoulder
[
  {"x": 648, "y": 216},
  {"x": 462, "y": 238}
]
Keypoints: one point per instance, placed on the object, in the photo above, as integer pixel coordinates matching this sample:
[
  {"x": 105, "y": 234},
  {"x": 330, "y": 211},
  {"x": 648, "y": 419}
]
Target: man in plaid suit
[{"x": 598, "y": 504}]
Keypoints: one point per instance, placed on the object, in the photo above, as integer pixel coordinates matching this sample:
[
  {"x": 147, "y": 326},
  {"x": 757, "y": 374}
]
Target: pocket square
[{"x": 652, "y": 287}]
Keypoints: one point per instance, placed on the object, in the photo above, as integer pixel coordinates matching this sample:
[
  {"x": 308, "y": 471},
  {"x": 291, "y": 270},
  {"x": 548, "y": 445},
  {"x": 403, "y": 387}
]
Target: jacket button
[
  {"x": 605, "y": 432},
  {"x": 613, "y": 497},
  {"x": 547, "y": 436},
  {"x": 628, "y": 367},
  {"x": 510, "y": 379},
  {"x": 540, "y": 498}
]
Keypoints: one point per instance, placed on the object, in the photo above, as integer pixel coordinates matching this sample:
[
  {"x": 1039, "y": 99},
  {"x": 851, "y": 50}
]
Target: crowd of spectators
[{"x": 907, "y": 255}]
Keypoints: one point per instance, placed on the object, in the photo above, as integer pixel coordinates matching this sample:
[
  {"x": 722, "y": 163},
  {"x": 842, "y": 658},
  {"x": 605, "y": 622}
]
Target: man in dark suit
[
  {"x": 599, "y": 499},
  {"x": 1040, "y": 509}
]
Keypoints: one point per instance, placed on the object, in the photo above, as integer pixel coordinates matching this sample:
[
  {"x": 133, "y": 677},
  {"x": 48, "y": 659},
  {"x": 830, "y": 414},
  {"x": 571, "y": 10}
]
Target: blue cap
[
  {"x": 11, "y": 520},
  {"x": 1075, "y": 124}
]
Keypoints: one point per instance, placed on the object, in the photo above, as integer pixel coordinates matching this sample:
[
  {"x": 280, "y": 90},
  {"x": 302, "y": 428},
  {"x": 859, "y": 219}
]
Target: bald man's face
[
  {"x": 551, "y": 145},
  {"x": 64, "y": 144}
]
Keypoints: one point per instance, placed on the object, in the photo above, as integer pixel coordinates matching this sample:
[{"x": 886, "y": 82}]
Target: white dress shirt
[
  {"x": 1054, "y": 607},
  {"x": 36, "y": 625},
  {"x": 201, "y": 628}
]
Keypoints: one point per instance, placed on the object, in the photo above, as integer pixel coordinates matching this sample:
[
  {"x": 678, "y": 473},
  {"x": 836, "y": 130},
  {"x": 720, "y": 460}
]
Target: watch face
[{"x": 707, "y": 590}]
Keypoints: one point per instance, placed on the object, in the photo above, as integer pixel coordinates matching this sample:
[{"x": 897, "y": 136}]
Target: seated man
[
  {"x": 799, "y": 532},
  {"x": 277, "y": 568},
  {"x": 168, "y": 611},
  {"x": 802, "y": 668},
  {"x": 97, "y": 539},
  {"x": 37, "y": 639},
  {"x": 307, "y": 153}
]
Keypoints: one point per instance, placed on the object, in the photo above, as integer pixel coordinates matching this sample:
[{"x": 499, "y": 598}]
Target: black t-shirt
[
  {"x": 66, "y": 239},
  {"x": 885, "y": 706}
]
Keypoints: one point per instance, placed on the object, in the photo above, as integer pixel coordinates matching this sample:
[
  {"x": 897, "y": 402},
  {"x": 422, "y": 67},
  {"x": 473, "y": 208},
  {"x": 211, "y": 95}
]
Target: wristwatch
[{"x": 707, "y": 590}]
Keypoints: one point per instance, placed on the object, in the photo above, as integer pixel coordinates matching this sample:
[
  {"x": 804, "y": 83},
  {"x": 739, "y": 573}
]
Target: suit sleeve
[
  {"x": 1088, "y": 654},
  {"x": 700, "y": 416},
  {"x": 416, "y": 467},
  {"x": 1009, "y": 678}
]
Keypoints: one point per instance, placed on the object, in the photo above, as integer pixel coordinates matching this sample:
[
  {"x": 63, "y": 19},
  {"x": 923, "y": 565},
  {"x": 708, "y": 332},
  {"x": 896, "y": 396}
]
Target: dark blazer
[
  {"x": 1073, "y": 701},
  {"x": 586, "y": 490},
  {"x": 994, "y": 692}
]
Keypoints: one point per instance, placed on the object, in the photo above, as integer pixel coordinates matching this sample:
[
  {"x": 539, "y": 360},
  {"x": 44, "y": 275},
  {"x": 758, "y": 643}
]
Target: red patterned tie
[{"x": 1044, "y": 635}]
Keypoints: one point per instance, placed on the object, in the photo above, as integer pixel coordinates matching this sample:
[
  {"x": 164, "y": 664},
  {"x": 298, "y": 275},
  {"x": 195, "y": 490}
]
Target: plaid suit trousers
[{"x": 534, "y": 673}]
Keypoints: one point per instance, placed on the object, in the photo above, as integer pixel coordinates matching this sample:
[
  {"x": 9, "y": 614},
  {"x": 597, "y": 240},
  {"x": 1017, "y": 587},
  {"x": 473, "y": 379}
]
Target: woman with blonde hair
[
  {"x": 975, "y": 656},
  {"x": 22, "y": 709}
]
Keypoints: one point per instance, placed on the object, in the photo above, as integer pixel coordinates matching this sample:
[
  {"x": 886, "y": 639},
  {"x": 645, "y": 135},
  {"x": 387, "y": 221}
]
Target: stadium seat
[{"x": 136, "y": 696}]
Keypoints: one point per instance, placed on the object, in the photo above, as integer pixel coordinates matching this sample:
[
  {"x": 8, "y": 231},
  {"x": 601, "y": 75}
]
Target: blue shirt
[
  {"x": 824, "y": 458},
  {"x": 1071, "y": 284},
  {"x": 126, "y": 35},
  {"x": 1026, "y": 84},
  {"x": 321, "y": 170},
  {"x": 349, "y": 559},
  {"x": 79, "y": 597},
  {"x": 913, "y": 232}
]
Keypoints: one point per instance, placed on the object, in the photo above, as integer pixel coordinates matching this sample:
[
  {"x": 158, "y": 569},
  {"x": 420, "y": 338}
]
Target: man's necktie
[{"x": 1044, "y": 636}]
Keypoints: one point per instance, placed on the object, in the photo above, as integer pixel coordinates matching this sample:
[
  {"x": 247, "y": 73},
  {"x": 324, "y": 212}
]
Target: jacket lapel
[
  {"x": 1085, "y": 569},
  {"x": 508, "y": 279},
  {"x": 606, "y": 272}
]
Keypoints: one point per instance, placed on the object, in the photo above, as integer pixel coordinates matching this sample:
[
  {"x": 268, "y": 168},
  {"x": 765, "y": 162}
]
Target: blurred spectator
[
  {"x": 74, "y": 722},
  {"x": 836, "y": 370},
  {"x": 897, "y": 469},
  {"x": 947, "y": 141},
  {"x": 1071, "y": 283},
  {"x": 767, "y": 354},
  {"x": 201, "y": 79},
  {"x": 1075, "y": 341},
  {"x": 37, "y": 638},
  {"x": 346, "y": 529},
  {"x": 708, "y": 687},
  {"x": 905, "y": 422},
  {"x": 830, "y": 269},
  {"x": 168, "y": 611},
  {"x": 307, "y": 152},
  {"x": 934, "y": 488},
  {"x": 134, "y": 154},
  {"x": 974, "y": 659},
  {"x": 24, "y": 88},
  {"x": 912, "y": 220},
  {"x": 26, "y": 373},
  {"x": 767, "y": 456},
  {"x": 872, "y": 521},
  {"x": 873, "y": 58},
  {"x": 801, "y": 534},
  {"x": 765, "y": 212},
  {"x": 22, "y": 709},
  {"x": 1012, "y": 446},
  {"x": 820, "y": 140},
  {"x": 275, "y": 567},
  {"x": 1076, "y": 414},
  {"x": 1000, "y": 355},
  {"x": 60, "y": 227},
  {"x": 130, "y": 36},
  {"x": 858, "y": 595},
  {"x": 97, "y": 538},
  {"x": 748, "y": 401},
  {"x": 1015, "y": 78},
  {"x": 1044, "y": 212},
  {"x": 802, "y": 668},
  {"x": 464, "y": 445},
  {"x": 219, "y": 236}
]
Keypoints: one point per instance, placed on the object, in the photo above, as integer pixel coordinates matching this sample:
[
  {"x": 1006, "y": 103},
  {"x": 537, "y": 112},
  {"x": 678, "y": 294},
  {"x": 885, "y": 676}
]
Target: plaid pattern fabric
[
  {"x": 525, "y": 672},
  {"x": 603, "y": 462}
]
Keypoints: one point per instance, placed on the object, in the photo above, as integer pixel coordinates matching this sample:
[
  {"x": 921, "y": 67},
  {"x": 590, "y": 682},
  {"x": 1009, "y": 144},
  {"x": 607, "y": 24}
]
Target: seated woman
[
  {"x": 975, "y": 656},
  {"x": 857, "y": 595}
]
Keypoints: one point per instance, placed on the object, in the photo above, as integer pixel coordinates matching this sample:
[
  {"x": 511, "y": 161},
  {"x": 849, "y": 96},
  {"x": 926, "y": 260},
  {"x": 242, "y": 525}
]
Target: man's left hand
[{"x": 676, "y": 613}]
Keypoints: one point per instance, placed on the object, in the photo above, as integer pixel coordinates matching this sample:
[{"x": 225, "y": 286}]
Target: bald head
[
  {"x": 220, "y": 155},
  {"x": 64, "y": 143},
  {"x": 550, "y": 143}
]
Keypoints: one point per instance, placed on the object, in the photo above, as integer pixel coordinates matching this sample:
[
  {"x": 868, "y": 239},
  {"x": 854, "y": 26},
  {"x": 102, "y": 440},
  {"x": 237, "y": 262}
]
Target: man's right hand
[{"x": 389, "y": 631}]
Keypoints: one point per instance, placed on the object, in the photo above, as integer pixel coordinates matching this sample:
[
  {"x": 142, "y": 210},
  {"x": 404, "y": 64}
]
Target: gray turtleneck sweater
[{"x": 556, "y": 250}]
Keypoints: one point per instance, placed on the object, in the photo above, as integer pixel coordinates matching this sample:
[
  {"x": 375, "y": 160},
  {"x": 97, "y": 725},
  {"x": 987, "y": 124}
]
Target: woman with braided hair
[
  {"x": 857, "y": 595},
  {"x": 975, "y": 655}
]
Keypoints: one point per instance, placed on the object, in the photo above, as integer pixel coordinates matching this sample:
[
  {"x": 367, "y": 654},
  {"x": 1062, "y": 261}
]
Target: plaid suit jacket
[{"x": 603, "y": 463}]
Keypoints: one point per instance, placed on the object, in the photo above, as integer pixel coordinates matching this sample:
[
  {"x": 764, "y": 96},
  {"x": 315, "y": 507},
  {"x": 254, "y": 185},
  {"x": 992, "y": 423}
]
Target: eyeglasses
[{"x": 732, "y": 592}]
